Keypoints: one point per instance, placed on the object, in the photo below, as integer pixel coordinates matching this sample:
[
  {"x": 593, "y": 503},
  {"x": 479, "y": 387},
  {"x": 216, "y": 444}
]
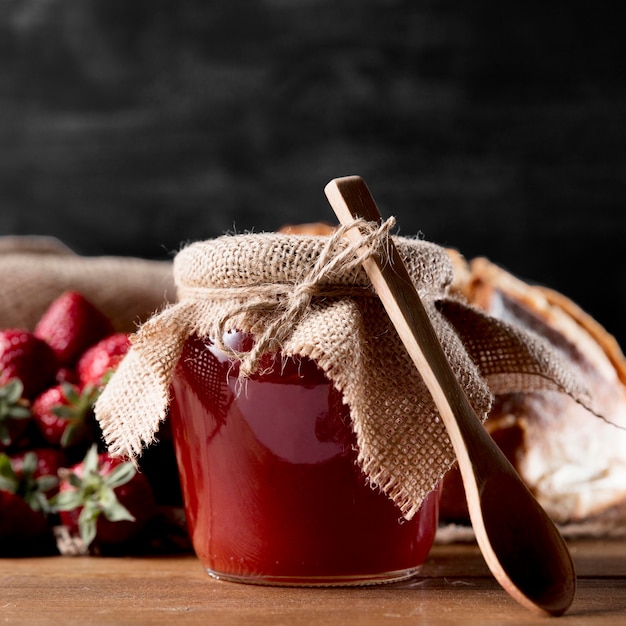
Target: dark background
[{"x": 498, "y": 128}]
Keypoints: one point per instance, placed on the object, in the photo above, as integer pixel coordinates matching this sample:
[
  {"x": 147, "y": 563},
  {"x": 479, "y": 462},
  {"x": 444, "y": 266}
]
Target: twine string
[{"x": 286, "y": 305}]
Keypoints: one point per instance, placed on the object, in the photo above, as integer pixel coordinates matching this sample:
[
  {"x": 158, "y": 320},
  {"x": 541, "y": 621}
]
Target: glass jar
[{"x": 268, "y": 466}]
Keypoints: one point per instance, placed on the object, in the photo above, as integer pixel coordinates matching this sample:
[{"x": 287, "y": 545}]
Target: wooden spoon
[{"x": 521, "y": 545}]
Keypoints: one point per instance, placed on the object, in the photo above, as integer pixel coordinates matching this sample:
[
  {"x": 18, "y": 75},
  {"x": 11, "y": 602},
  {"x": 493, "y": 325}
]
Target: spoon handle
[
  {"x": 520, "y": 544},
  {"x": 350, "y": 200}
]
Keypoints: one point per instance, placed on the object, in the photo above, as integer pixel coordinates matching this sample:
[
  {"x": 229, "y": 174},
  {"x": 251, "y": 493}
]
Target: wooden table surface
[{"x": 454, "y": 587}]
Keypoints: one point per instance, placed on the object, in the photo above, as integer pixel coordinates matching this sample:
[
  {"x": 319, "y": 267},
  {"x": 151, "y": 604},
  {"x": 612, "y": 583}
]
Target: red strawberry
[
  {"x": 14, "y": 413},
  {"x": 27, "y": 358},
  {"x": 31, "y": 475},
  {"x": 70, "y": 325},
  {"x": 47, "y": 462},
  {"x": 18, "y": 523},
  {"x": 63, "y": 414},
  {"x": 100, "y": 360},
  {"x": 23, "y": 506},
  {"x": 104, "y": 499}
]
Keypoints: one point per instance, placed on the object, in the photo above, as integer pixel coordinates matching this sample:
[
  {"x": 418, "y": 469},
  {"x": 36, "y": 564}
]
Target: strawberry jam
[{"x": 272, "y": 490}]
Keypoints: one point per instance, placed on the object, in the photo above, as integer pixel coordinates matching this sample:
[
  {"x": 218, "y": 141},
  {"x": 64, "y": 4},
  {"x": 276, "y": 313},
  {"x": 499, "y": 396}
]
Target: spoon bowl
[{"x": 521, "y": 545}]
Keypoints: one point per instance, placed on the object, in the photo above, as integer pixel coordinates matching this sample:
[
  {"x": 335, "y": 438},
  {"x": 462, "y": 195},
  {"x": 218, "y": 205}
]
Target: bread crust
[
  {"x": 313, "y": 228},
  {"x": 573, "y": 461}
]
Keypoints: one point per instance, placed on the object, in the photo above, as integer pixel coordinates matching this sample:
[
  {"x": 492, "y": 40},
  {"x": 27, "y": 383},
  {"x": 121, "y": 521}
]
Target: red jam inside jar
[{"x": 272, "y": 490}]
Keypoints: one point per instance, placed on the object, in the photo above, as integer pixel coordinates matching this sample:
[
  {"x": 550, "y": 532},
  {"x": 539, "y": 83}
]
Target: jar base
[{"x": 319, "y": 581}]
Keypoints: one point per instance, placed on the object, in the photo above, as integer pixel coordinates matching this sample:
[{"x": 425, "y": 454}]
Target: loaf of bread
[{"x": 573, "y": 461}]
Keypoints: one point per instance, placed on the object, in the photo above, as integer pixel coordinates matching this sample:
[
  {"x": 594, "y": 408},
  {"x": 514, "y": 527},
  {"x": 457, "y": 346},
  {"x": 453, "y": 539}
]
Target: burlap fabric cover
[
  {"x": 308, "y": 296},
  {"x": 35, "y": 270}
]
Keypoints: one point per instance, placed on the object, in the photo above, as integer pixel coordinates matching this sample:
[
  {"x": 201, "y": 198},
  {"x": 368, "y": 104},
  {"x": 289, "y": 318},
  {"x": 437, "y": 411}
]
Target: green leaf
[
  {"x": 73, "y": 433},
  {"x": 8, "y": 485},
  {"x": 19, "y": 412},
  {"x": 116, "y": 512},
  {"x": 63, "y": 411},
  {"x": 8, "y": 479},
  {"x": 78, "y": 403},
  {"x": 6, "y": 469},
  {"x": 87, "y": 522},
  {"x": 106, "y": 377},
  {"x": 66, "y": 501},
  {"x": 38, "y": 502},
  {"x": 74, "y": 480},
  {"x": 70, "y": 393},
  {"x": 13, "y": 390},
  {"x": 120, "y": 475},
  {"x": 46, "y": 483},
  {"x": 29, "y": 464},
  {"x": 90, "y": 463},
  {"x": 12, "y": 406}
]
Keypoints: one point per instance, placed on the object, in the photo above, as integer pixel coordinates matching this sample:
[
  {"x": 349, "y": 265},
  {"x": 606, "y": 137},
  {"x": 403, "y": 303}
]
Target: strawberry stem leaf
[
  {"x": 8, "y": 479},
  {"x": 12, "y": 407},
  {"x": 120, "y": 475},
  {"x": 95, "y": 493}
]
